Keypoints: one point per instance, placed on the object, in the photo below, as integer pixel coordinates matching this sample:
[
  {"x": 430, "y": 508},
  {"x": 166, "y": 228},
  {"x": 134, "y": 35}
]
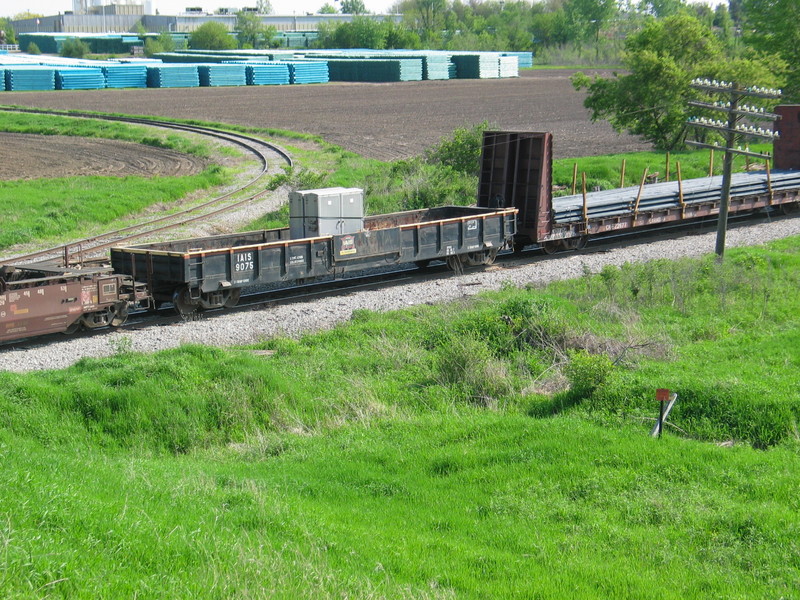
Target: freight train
[{"x": 329, "y": 236}]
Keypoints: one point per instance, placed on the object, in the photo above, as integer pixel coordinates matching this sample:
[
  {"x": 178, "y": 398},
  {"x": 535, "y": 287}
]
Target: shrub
[
  {"x": 33, "y": 48},
  {"x": 74, "y": 48},
  {"x": 462, "y": 151},
  {"x": 586, "y": 372}
]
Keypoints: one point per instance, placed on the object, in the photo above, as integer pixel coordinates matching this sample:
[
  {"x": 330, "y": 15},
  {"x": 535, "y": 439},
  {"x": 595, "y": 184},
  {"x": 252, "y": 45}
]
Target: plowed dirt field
[{"x": 383, "y": 121}]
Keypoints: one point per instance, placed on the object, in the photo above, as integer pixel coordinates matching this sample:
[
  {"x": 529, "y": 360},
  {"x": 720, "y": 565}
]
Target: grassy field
[
  {"x": 496, "y": 447},
  {"x": 52, "y": 210}
]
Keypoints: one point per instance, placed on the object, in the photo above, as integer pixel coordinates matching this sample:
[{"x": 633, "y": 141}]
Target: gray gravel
[{"x": 295, "y": 319}]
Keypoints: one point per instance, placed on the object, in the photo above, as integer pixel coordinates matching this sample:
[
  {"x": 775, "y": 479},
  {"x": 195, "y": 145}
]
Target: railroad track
[{"x": 264, "y": 152}]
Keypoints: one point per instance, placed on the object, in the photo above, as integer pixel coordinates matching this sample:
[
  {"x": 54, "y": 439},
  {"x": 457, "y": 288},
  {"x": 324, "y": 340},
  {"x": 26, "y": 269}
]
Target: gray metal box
[{"x": 326, "y": 211}]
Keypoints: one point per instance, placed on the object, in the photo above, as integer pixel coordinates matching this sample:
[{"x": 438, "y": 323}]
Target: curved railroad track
[{"x": 264, "y": 152}]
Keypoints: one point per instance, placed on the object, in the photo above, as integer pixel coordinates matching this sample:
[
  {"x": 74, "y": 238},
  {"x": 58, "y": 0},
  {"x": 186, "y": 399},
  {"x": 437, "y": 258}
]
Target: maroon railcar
[{"x": 41, "y": 298}]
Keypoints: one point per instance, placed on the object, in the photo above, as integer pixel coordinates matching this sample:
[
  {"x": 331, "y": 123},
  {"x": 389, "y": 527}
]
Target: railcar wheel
[
  {"x": 101, "y": 318},
  {"x": 120, "y": 315},
  {"x": 185, "y": 305},
  {"x": 791, "y": 208},
  {"x": 233, "y": 298},
  {"x": 455, "y": 264},
  {"x": 581, "y": 242},
  {"x": 73, "y": 327},
  {"x": 551, "y": 247}
]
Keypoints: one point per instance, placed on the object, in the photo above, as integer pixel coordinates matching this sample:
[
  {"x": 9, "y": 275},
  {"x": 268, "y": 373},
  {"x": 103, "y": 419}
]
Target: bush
[
  {"x": 74, "y": 48},
  {"x": 587, "y": 372},
  {"x": 33, "y": 48},
  {"x": 462, "y": 151}
]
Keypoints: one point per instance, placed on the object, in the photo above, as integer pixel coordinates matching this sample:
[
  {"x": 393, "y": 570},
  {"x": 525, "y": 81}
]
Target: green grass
[
  {"x": 474, "y": 506},
  {"x": 56, "y": 209},
  {"x": 52, "y": 210},
  {"x": 42, "y": 124},
  {"x": 416, "y": 453},
  {"x": 606, "y": 171}
]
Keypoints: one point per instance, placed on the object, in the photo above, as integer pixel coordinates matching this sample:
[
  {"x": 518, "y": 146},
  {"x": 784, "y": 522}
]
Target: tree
[
  {"x": 251, "y": 31},
  {"x": 163, "y": 43},
  {"x": 74, "y": 48},
  {"x": 353, "y": 7},
  {"x": 5, "y": 25},
  {"x": 650, "y": 100},
  {"x": 327, "y": 9},
  {"x": 211, "y": 35},
  {"x": 773, "y": 26},
  {"x": 264, "y": 7}
]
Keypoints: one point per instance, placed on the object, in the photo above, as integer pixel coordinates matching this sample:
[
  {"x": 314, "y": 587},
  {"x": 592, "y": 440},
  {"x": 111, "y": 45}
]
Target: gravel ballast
[{"x": 295, "y": 319}]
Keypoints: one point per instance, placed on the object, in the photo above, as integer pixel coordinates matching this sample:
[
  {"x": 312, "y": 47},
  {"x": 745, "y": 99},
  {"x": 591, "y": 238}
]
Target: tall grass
[{"x": 420, "y": 453}]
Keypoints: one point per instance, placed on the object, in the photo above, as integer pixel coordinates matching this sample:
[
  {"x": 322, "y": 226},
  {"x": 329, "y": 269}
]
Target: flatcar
[{"x": 329, "y": 236}]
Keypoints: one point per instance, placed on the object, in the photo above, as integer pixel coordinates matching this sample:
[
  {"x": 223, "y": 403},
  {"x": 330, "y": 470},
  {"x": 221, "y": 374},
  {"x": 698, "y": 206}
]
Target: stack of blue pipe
[
  {"x": 172, "y": 76},
  {"x": 375, "y": 70},
  {"x": 267, "y": 73},
  {"x": 21, "y": 78},
  {"x": 436, "y": 65},
  {"x": 480, "y": 65},
  {"x": 125, "y": 75},
  {"x": 216, "y": 75},
  {"x": 508, "y": 66},
  {"x": 663, "y": 196},
  {"x": 2, "y": 80},
  {"x": 311, "y": 71},
  {"x": 525, "y": 59},
  {"x": 80, "y": 78}
]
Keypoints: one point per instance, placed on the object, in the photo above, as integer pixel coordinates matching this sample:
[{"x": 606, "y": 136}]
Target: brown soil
[
  {"x": 33, "y": 156},
  {"x": 383, "y": 121}
]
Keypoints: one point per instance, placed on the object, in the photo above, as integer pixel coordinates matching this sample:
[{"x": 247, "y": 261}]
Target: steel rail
[{"x": 254, "y": 145}]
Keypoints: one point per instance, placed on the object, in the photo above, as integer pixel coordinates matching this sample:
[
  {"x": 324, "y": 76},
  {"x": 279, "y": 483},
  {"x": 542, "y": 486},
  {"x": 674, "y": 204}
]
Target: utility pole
[{"x": 731, "y": 131}]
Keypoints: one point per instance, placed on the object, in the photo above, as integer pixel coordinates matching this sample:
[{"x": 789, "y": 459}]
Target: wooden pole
[
  {"x": 769, "y": 184},
  {"x": 667, "y": 176},
  {"x": 711, "y": 164},
  {"x": 574, "y": 177},
  {"x": 622, "y": 173}
]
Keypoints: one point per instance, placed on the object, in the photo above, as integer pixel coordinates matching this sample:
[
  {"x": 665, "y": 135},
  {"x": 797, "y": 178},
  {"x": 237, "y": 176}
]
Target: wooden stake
[
  {"x": 769, "y": 184},
  {"x": 667, "y": 176},
  {"x": 622, "y": 174},
  {"x": 711, "y": 164},
  {"x": 574, "y": 177}
]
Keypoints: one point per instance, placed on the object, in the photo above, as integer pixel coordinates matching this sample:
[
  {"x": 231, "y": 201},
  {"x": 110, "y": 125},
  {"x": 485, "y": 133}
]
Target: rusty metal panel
[
  {"x": 516, "y": 171},
  {"x": 366, "y": 244},
  {"x": 29, "y": 311}
]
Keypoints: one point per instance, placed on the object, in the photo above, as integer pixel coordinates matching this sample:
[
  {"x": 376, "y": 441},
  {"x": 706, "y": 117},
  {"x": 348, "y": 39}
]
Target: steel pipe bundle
[{"x": 663, "y": 196}]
